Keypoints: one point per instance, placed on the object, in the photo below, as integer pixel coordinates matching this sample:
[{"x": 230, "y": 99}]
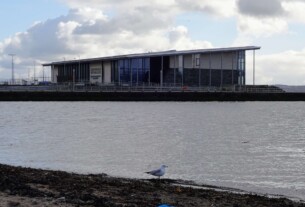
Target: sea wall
[{"x": 148, "y": 96}]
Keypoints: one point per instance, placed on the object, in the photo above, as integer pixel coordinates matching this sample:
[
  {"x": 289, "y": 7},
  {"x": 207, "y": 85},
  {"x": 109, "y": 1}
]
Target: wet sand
[{"x": 35, "y": 187}]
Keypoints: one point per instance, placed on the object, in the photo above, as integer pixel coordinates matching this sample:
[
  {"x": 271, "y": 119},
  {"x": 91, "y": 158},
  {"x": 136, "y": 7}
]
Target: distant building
[{"x": 204, "y": 67}]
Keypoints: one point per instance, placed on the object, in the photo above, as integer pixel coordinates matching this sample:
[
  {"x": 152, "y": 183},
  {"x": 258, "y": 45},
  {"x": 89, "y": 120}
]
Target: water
[{"x": 254, "y": 146}]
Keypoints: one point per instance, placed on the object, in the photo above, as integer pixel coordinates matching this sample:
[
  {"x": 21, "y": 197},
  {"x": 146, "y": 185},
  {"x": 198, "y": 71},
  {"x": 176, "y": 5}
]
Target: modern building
[{"x": 203, "y": 67}]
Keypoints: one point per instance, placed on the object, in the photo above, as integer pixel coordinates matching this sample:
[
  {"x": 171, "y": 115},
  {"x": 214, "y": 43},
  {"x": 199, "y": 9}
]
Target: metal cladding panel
[
  {"x": 107, "y": 72},
  {"x": 180, "y": 61},
  {"x": 54, "y": 74},
  {"x": 228, "y": 59},
  {"x": 95, "y": 65},
  {"x": 174, "y": 63},
  {"x": 188, "y": 61},
  {"x": 216, "y": 61},
  {"x": 205, "y": 61}
]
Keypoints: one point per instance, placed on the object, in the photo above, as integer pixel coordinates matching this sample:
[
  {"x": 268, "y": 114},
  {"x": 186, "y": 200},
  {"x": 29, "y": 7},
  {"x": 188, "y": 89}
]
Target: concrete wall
[{"x": 138, "y": 96}]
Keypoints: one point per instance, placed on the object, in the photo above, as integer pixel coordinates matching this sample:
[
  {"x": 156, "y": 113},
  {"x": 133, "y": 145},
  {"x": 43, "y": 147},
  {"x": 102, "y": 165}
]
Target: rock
[
  {"x": 61, "y": 199},
  {"x": 13, "y": 204}
]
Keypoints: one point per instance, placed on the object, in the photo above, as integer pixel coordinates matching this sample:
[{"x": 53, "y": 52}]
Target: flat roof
[{"x": 153, "y": 54}]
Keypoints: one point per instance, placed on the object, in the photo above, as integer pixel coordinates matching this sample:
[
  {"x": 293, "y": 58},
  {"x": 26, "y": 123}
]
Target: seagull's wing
[{"x": 155, "y": 172}]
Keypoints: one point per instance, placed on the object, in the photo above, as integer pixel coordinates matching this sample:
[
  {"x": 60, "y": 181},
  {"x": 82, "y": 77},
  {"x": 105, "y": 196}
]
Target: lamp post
[
  {"x": 34, "y": 72},
  {"x": 13, "y": 75}
]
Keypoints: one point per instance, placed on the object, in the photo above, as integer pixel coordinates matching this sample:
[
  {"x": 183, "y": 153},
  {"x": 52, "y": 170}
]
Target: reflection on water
[{"x": 255, "y": 146}]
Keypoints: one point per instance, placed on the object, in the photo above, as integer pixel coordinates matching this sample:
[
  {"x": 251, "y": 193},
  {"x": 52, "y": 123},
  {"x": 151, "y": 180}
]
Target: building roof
[{"x": 154, "y": 54}]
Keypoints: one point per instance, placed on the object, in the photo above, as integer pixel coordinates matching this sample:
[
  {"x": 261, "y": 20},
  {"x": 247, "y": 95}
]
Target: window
[{"x": 197, "y": 61}]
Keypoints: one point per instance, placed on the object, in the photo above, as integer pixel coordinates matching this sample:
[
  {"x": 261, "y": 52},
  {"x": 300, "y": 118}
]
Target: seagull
[{"x": 159, "y": 172}]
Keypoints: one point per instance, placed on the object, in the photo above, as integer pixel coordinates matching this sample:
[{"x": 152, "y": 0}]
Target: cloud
[
  {"x": 261, "y": 27},
  {"x": 295, "y": 10},
  {"x": 260, "y": 7},
  {"x": 262, "y": 18},
  {"x": 281, "y": 68},
  {"x": 217, "y": 8},
  {"x": 88, "y": 32},
  {"x": 110, "y": 27},
  {"x": 178, "y": 38},
  {"x": 166, "y": 7}
]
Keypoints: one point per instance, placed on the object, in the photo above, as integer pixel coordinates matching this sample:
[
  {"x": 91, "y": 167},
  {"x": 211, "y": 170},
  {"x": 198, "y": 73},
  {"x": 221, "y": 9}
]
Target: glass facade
[
  {"x": 80, "y": 72},
  {"x": 241, "y": 67},
  {"x": 124, "y": 71},
  {"x": 134, "y": 70}
]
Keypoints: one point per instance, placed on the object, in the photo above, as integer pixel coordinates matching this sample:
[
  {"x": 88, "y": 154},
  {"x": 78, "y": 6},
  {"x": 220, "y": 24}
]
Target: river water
[{"x": 253, "y": 146}]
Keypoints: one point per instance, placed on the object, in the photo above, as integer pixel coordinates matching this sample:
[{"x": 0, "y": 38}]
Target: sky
[{"x": 43, "y": 31}]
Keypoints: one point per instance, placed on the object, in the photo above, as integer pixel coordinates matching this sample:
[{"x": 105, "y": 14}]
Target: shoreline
[{"x": 21, "y": 186}]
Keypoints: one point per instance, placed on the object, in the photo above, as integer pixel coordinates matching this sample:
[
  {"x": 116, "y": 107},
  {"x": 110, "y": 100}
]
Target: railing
[
  {"x": 124, "y": 87},
  {"x": 25, "y": 81}
]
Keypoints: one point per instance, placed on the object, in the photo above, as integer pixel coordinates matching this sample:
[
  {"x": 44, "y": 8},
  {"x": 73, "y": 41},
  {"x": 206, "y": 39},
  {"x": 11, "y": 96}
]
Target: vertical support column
[
  {"x": 210, "y": 68},
  {"x": 137, "y": 61},
  {"x": 78, "y": 67},
  {"x": 42, "y": 73},
  {"x": 199, "y": 83},
  {"x": 253, "y": 67},
  {"x": 161, "y": 72},
  {"x": 244, "y": 67},
  {"x": 149, "y": 71},
  {"x": 182, "y": 70},
  {"x": 232, "y": 59},
  {"x": 238, "y": 68},
  {"x": 221, "y": 71},
  {"x": 52, "y": 74},
  {"x": 130, "y": 71},
  {"x": 73, "y": 79},
  {"x": 180, "y": 67},
  {"x": 143, "y": 71},
  {"x": 102, "y": 73},
  {"x": 175, "y": 59}
]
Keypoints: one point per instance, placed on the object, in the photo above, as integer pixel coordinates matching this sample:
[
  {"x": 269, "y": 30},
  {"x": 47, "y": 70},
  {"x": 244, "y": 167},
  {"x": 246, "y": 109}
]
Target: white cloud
[
  {"x": 295, "y": 10},
  {"x": 180, "y": 40},
  {"x": 88, "y": 33},
  {"x": 218, "y": 8},
  {"x": 282, "y": 68},
  {"x": 261, "y": 27},
  {"x": 95, "y": 28}
]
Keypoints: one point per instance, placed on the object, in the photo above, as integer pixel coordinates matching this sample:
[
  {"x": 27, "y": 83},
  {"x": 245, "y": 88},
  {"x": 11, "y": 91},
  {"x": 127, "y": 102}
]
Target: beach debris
[{"x": 178, "y": 189}]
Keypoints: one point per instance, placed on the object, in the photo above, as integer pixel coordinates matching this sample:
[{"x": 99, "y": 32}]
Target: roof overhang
[{"x": 154, "y": 54}]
